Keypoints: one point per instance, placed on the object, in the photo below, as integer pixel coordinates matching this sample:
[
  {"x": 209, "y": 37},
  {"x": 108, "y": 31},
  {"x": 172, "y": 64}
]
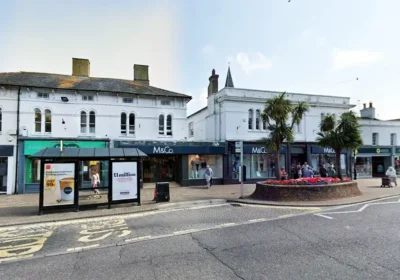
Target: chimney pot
[
  {"x": 370, "y": 104},
  {"x": 141, "y": 74},
  {"x": 80, "y": 67},
  {"x": 365, "y": 106},
  {"x": 213, "y": 85}
]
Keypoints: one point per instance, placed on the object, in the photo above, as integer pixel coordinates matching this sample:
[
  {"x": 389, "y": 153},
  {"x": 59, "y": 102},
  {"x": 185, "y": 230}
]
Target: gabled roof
[
  {"x": 229, "y": 80},
  {"x": 57, "y": 81}
]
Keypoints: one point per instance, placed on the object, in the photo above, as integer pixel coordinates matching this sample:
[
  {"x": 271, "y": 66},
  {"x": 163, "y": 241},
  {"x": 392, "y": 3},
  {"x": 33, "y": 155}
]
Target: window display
[
  {"x": 328, "y": 159},
  {"x": 198, "y": 165},
  {"x": 257, "y": 165},
  {"x": 156, "y": 168},
  {"x": 364, "y": 166}
]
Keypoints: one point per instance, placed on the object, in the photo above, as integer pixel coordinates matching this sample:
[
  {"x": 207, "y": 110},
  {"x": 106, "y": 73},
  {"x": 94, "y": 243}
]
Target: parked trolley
[{"x": 386, "y": 182}]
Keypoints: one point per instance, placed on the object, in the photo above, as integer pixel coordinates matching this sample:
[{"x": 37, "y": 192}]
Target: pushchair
[{"x": 386, "y": 182}]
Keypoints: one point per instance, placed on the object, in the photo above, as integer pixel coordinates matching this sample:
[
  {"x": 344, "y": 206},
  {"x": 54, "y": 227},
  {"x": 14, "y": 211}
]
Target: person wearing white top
[{"x": 391, "y": 174}]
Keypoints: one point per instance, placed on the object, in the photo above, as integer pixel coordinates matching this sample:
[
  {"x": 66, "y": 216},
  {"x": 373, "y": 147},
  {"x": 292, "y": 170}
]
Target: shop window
[
  {"x": 36, "y": 171},
  {"x": 393, "y": 139},
  {"x": 83, "y": 122},
  {"x": 169, "y": 125},
  {"x": 328, "y": 159},
  {"x": 1, "y": 119},
  {"x": 38, "y": 120},
  {"x": 250, "y": 119},
  {"x": 375, "y": 139},
  {"x": 257, "y": 165},
  {"x": 47, "y": 121},
  {"x": 258, "y": 119},
  {"x": 198, "y": 165},
  {"x": 364, "y": 166},
  {"x": 161, "y": 125},
  {"x": 191, "y": 130},
  {"x": 92, "y": 122}
]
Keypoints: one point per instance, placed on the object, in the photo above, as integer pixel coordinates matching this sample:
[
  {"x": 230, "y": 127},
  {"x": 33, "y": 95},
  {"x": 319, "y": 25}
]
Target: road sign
[{"x": 238, "y": 147}]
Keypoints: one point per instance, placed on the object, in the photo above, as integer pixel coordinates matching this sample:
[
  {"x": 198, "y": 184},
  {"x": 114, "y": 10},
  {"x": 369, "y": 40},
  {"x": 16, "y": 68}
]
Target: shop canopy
[{"x": 76, "y": 153}]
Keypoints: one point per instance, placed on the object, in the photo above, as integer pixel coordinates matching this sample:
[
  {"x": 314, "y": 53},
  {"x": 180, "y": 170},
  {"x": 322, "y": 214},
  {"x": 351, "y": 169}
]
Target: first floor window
[
  {"x": 92, "y": 122},
  {"x": 38, "y": 120},
  {"x": 374, "y": 139},
  {"x": 83, "y": 122},
  {"x": 47, "y": 121},
  {"x": 169, "y": 125},
  {"x": 123, "y": 123},
  {"x": 131, "y": 124},
  {"x": 161, "y": 125},
  {"x": 250, "y": 119},
  {"x": 127, "y": 124},
  {"x": 191, "y": 130},
  {"x": 393, "y": 139},
  {"x": 257, "y": 119}
]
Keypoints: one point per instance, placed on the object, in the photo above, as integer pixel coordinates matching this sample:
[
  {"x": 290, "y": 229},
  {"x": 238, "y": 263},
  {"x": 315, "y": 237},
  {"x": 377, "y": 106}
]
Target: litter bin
[{"x": 162, "y": 192}]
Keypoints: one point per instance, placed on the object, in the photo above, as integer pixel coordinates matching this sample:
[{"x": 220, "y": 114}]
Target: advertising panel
[
  {"x": 59, "y": 184},
  {"x": 124, "y": 181}
]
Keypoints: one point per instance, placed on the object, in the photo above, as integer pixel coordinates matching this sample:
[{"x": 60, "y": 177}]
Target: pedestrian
[
  {"x": 391, "y": 174},
  {"x": 304, "y": 168},
  {"x": 322, "y": 171},
  {"x": 95, "y": 182},
  {"x": 208, "y": 176},
  {"x": 283, "y": 174},
  {"x": 299, "y": 172},
  {"x": 331, "y": 171}
]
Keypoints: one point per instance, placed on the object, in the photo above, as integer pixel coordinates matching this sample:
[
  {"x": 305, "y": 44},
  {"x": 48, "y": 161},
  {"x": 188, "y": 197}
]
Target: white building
[
  {"x": 82, "y": 111},
  {"x": 233, "y": 114},
  {"x": 380, "y": 144}
]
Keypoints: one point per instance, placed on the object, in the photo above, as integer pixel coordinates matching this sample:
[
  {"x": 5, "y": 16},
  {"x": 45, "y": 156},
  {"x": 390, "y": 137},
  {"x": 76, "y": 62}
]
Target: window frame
[
  {"x": 37, "y": 122},
  {"x": 47, "y": 112},
  {"x": 87, "y": 97},
  {"x": 250, "y": 118},
  {"x": 165, "y": 129},
  {"x": 258, "y": 117},
  {"x": 161, "y": 124},
  {"x": 92, "y": 113},
  {"x": 125, "y": 99},
  {"x": 191, "y": 129},
  {"x": 375, "y": 138},
  {"x": 123, "y": 131},
  {"x": 42, "y": 95},
  {"x": 85, "y": 122},
  {"x": 130, "y": 130},
  {"x": 168, "y": 132}
]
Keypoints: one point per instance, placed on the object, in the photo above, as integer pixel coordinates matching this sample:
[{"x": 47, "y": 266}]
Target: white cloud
[
  {"x": 253, "y": 61},
  {"x": 199, "y": 101},
  {"x": 354, "y": 58},
  {"x": 208, "y": 49}
]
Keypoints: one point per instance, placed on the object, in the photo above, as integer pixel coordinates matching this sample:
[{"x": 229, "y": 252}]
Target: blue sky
[{"x": 306, "y": 46}]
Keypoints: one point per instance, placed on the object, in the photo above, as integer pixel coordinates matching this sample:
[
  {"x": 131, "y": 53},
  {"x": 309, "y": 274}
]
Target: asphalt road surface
[{"x": 213, "y": 242}]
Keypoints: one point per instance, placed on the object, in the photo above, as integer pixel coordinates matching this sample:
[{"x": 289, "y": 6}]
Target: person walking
[
  {"x": 208, "y": 176},
  {"x": 322, "y": 171},
  {"x": 283, "y": 174},
  {"x": 391, "y": 174},
  {"x": 95, "y": 182}
]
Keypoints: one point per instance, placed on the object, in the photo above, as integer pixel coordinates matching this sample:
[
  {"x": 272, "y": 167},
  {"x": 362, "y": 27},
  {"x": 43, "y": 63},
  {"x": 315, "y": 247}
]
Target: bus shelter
[{"x": 88, "y": 177}]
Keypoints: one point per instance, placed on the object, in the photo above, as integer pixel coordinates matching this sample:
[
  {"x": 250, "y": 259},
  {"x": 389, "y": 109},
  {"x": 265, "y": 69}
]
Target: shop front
[
  {"x": 6, "y": 166},
  {"x": 29, "y": 168},
  {"x": 181, "y": 162},
  {"x": 260, "y": 163},
  {"x": 373, "y": 161},
  {"x": 326, "y": 156}
]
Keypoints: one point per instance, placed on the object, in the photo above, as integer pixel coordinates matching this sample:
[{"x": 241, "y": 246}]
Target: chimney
[
  {"x": 213, "y": 85},
  {"x": 80, "y": 67},
  {"x": 368, "y": 113},
  {"x": 141, "y": 74}
]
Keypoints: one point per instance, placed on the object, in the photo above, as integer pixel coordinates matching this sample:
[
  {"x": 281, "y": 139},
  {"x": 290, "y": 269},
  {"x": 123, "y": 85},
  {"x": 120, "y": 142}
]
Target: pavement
[
  {"x": 225, "y": 241},
  {"x": 23, "y": 208}
]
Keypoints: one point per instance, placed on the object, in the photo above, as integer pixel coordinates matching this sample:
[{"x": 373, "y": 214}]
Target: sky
[{"x": 330, "y": 47}]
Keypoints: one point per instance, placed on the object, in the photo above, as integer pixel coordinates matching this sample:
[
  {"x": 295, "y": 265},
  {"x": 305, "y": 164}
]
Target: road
[{"x": 212, "y": 242}]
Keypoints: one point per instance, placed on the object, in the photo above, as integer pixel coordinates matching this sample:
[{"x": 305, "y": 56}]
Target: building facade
[
  {"x": 38, "y": 110},
  {"x": 381, "y": 148},
  {"x": 234, "y": 114}
]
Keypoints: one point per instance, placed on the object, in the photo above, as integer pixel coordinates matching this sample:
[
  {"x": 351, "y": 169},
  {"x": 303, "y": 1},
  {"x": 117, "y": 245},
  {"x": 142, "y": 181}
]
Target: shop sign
[
  {"x": 124, "y": 181},
  {"x": 378, "y": 150},
  {"x": 32, "y": 147},
  {"x": 161, "y": 150},
  {"x": 59, "y": 184},
  {"x": 247, "y": 149}
]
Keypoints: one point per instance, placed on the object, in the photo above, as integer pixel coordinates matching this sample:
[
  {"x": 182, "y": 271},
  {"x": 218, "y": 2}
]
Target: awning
[{"x": 89, "y": 153}]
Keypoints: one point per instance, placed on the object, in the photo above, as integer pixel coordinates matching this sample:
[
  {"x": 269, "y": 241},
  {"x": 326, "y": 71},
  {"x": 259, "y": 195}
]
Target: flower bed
[
  {"x": 308, "y": 181},
  {"x": 306, "y": 189}
]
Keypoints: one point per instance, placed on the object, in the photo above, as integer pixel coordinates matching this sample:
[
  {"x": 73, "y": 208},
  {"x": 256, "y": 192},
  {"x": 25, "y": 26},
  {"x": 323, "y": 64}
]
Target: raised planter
[{"x": 305, "y": 192}]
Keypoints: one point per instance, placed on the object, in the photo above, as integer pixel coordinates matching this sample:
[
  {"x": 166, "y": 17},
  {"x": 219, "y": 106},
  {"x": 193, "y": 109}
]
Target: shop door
[
  {"x": 159, "y": 169},
  {"x": 378, "y": 167},
  {"x": 3, "y": 173}
]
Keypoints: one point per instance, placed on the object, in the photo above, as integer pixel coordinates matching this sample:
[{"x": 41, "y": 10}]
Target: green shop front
[
  {"x": 373, "y": 161},
  {"x": 29, "y": 168}
]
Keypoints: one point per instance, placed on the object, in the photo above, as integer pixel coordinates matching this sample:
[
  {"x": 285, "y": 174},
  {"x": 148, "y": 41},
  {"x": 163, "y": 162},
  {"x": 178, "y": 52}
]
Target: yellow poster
[{"x": 59, "y": 184}]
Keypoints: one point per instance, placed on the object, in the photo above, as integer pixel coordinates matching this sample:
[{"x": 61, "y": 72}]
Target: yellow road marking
[{"x": 98, "y": 231}]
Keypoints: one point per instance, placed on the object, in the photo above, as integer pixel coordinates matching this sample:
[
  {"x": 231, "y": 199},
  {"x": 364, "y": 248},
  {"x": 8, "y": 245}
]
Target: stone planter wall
[{"x": 305, "y": 192}]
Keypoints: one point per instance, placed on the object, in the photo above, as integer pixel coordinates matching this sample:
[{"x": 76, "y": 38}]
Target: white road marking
[
  {"x": 227, "y": 225},
  {"x": 82, "y": 248},
  {"x": 257, "y": 220},
  {"x": 323, "y": 216},
  {"x": 281, "y": 207},
  {"x": 138, "y": 238},
  {"x": 185, "y": 231}
]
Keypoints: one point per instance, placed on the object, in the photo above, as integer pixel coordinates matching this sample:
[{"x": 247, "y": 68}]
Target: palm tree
[
  {"x": 341, "y": 134},
  {"x": 280, "y": 116}
]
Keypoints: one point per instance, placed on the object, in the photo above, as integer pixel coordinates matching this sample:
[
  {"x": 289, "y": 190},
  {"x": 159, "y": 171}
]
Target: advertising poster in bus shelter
[
  {"x": 59, "y": 184},
  {"x": 124, "y": 181}
]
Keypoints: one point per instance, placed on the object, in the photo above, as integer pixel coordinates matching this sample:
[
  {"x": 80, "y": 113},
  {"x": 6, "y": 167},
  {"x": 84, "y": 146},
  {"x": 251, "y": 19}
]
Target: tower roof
[{"x": 229, "y": 80}]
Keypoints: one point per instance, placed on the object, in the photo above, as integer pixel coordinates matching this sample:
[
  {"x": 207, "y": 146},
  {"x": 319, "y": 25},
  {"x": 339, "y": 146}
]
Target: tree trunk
[
  {"x": 277, "y": 165},
  {"x": 339, "y": 165}
]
